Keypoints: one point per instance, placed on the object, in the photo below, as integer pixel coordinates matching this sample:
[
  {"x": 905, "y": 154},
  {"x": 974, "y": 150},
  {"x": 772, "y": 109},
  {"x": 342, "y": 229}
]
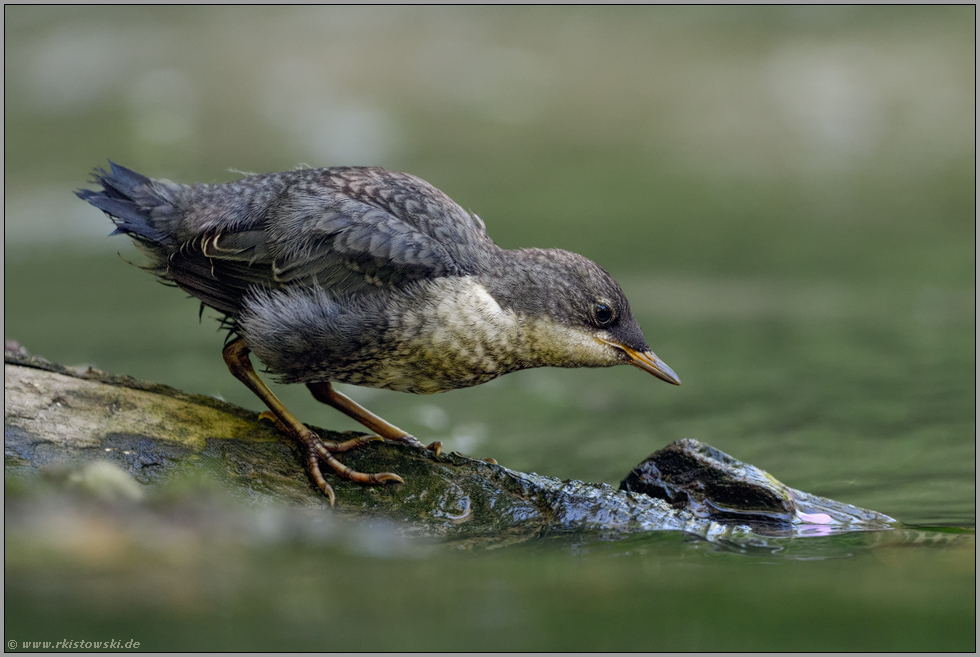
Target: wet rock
[
  {"x": 59, "y": 420},
  {"x": 712, "y": 485}
]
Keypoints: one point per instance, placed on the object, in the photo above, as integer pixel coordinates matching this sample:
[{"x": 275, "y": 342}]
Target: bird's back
[{"x": 349, "y": 230}]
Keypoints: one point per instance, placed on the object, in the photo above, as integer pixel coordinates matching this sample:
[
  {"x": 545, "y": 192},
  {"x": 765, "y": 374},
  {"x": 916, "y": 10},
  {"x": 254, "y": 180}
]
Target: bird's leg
[
  {"x": 324, "y": 392},
  {"x": 332, "y": 446},
  {"x": 236, "y": 357}
]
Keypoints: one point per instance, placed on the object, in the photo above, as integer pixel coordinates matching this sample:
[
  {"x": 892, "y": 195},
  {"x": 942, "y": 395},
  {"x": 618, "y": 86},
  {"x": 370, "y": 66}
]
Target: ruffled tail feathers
[{"x": 118, "y": 198}]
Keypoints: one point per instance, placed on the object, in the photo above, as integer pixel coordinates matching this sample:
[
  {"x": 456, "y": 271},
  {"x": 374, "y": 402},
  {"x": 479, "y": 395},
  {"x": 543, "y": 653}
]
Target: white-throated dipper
[{"x": 369, "y": 277}]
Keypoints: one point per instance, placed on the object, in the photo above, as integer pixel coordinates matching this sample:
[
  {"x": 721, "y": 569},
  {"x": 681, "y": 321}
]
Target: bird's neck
[
  {"x": 519, "y": 281},
  {"x": 534, "y": 286}
]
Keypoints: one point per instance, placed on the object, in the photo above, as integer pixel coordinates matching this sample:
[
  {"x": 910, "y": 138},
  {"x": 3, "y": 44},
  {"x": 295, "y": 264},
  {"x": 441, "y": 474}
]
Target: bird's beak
[{"x": 647, "y": 361}]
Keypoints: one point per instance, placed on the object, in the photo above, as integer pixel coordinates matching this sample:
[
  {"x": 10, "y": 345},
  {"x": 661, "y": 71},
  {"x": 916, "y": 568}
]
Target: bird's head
[{"x": 579, "y": 316}]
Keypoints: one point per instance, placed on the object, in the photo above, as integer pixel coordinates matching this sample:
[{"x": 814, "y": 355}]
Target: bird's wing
[
  {"x": 349, "y": 230},
  {"x": 415, "y": 204}
]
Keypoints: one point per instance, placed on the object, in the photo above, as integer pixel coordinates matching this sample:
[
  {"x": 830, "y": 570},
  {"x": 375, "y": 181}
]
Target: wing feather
[{"x": 349, "y": 230}]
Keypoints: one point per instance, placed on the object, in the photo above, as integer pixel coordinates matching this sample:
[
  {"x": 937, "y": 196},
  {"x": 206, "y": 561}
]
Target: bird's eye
[{"x": 604, "y": 314}]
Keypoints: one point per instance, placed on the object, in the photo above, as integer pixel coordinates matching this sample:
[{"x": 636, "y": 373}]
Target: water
[{"x": 794, "y": 232}]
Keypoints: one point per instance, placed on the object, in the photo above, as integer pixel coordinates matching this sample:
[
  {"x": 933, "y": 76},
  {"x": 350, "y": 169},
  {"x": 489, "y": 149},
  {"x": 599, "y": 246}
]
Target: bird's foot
[
  {"x": 331, "y": 445},
  {"x": 435, "y": 446},
  {"x": 319, "y": 451},
  {"x": 271, "y": 417}
]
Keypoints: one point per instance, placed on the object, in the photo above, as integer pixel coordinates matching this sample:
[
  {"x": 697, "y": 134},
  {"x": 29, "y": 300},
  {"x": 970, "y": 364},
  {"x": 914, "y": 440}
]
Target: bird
[{"x": 370, "y": 277}]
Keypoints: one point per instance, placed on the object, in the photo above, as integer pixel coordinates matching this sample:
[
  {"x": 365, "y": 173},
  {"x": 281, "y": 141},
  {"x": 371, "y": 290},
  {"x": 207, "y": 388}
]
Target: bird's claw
[
  {"x": 271, "y": 417},
  {"x": 323, "y": 451},
  {"x": 410, "y": 440},
  {"x": 434, "y": 446}
]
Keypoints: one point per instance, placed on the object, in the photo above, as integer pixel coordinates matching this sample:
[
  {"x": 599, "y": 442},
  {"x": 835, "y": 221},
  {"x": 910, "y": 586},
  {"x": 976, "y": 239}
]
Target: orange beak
[{"x": 647, "y": 361}]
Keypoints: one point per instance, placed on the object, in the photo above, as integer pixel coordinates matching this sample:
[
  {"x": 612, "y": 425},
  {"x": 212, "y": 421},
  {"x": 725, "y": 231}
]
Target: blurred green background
[{"x": 786, "y": 194}]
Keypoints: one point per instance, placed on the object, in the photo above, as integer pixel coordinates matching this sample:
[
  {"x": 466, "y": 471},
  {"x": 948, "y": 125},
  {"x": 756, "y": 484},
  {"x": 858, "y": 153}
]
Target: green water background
[{"x": 785, "y": 194}]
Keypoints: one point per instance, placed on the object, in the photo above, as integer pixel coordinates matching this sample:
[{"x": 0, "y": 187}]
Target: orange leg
[
  {"x": 324, "y": 392},
  {"x": 236, "y": 357}
]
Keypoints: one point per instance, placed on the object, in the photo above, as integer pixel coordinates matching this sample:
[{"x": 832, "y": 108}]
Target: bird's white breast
[{"x": 460, "y": 336}]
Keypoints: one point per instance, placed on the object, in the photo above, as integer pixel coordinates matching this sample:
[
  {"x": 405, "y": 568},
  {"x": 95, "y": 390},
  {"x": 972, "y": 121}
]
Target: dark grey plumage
[{"x": 371, "y": 277}]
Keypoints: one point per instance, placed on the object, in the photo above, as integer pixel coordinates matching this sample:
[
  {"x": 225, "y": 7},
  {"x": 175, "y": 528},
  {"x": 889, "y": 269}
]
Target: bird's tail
[
  {"x": 138, "y": 206},
  {"x": 151, "y": 211}
]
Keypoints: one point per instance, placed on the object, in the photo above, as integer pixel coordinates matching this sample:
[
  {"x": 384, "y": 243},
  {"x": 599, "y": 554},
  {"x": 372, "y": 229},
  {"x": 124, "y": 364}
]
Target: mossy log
[{"x": 58, "y": 417}]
